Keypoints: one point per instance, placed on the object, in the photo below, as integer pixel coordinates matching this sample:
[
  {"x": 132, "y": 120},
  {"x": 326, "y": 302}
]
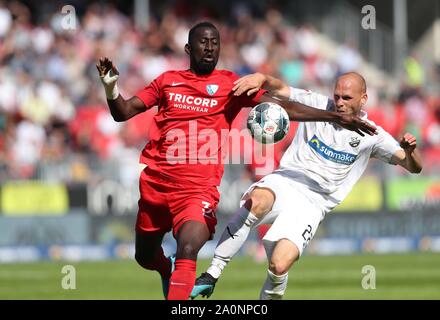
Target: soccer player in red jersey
[{"x": 178, "y": 187}]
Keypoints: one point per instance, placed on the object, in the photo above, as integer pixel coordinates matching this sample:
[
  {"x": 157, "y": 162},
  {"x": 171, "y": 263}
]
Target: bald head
[
  {"x": 353, "y": 80},
  {"x": 350, "y": 93}
]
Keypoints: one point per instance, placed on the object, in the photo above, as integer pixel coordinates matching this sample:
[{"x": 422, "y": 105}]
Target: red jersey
[{"x": 195, "y": 113}]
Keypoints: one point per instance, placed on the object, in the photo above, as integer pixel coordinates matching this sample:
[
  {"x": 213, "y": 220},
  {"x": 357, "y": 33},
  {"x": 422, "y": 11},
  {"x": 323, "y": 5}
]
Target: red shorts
[{"x": 166, "y": 206}]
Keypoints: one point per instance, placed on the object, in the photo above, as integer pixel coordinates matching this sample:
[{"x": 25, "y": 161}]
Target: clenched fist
[{"x": 408, "y": 142}]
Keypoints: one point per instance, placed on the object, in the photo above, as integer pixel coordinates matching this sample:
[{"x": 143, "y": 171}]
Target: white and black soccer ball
[{"x": 268, "y": 122}]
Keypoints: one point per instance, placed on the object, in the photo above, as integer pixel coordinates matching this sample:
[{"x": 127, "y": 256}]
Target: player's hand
[
  {"x": 106, "y": 68},
  {"x": 250, "y": 83},
  {"x": 356, "y": 124},
  {"x": 108, "y": 75},
  {"x": 408, "y": 142}
]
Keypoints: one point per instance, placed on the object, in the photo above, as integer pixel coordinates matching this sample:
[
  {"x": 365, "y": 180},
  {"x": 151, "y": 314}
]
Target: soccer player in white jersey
[{"x": 316, "y": 173}]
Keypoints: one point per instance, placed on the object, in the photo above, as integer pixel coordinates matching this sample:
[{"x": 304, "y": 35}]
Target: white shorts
[{"x": 294, "y": 215}]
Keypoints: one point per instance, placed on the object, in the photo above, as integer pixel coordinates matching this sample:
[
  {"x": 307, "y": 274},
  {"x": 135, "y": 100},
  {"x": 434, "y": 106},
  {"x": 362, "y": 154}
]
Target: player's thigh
[
  {"x": 297, "y": 221},
  {"x": 259, "y": 201},
  {"x": 152, "y": 223},
  {"x": 266, "y": 194},
  {"x": 147, "y": 245},
  {"x": 154, "y": 217},
  {"x": 197, "y": 205}
]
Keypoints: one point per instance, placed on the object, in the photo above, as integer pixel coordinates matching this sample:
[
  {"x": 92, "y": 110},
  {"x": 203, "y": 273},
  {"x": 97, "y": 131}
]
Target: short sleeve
[
  {"x": 151, "y": 94},
  {"x": 311, "y": 99},
  {"x": 385, "y": 147}
]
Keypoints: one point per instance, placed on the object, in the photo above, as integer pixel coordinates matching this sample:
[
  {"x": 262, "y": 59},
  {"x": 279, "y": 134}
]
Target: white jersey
[{"x": 327, "y": 158}]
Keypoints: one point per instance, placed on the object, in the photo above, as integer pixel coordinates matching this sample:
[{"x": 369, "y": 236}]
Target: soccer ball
[{"x": 268, "y": 122}]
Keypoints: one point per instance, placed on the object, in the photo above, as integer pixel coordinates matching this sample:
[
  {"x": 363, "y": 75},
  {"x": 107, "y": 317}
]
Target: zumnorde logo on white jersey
[{"x": 331, "y": 154}]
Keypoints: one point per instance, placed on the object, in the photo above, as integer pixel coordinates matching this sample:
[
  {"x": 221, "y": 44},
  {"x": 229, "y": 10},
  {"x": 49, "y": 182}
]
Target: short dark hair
[{"x": 204, "y": 24}]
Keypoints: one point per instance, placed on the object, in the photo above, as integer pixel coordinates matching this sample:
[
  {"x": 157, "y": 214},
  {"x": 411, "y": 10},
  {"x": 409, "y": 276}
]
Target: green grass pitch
[{"x": 398, "y": 276}]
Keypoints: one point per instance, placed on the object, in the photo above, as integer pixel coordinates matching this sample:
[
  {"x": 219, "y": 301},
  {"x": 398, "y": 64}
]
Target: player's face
[
  {"x": 204, "y": 50},
  {"x": 349, "y": 96}
]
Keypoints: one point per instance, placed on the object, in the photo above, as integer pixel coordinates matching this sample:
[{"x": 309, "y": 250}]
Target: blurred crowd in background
[{"x": 54, "y": 121}]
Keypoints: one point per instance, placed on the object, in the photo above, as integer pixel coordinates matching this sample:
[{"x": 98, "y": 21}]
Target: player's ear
[
  {"x": 364, "y": 99},
  {"x": 187, "y": 49}
]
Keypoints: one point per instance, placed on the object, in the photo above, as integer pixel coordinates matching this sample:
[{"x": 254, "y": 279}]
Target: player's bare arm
[
  {"x": 120, "y": 108},
  {"x": 409, "y": 158},
  {"x": 251, "y": 83},
  {"x": 279, "y": 92},
  {"x": 301, "y": 112}
]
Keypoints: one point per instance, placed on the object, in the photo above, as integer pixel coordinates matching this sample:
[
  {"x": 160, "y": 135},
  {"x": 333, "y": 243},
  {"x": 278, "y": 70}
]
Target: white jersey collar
[{"x": 363, "y": 115}]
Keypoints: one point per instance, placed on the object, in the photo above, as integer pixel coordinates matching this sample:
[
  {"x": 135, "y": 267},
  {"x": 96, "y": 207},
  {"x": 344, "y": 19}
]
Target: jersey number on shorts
[
  {"x": 207, "y": 211},
  {"x": 307, "y": 235}
]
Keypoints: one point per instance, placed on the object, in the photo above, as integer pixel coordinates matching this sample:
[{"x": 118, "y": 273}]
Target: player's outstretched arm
[
  {"x": 297, "y": 111},
  {"x": 301, "y": 112},
  {"x": 409, "y": 158},
  {"x": 120, "y": 108},
  {"x": 251, "y": 83}
]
